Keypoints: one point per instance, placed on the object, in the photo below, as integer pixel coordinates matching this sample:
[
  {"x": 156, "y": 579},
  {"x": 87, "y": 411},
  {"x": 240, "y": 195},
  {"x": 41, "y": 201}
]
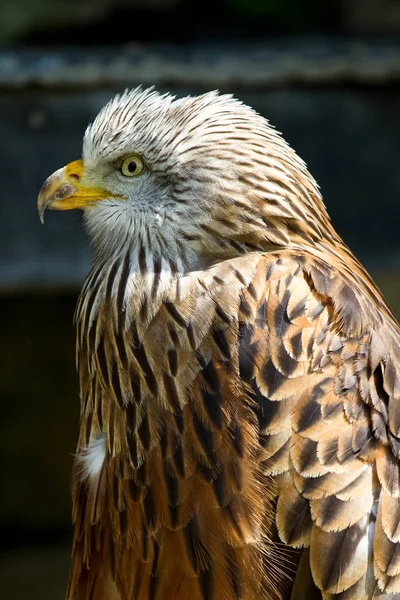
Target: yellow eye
[{"x": 132, "y": 166}]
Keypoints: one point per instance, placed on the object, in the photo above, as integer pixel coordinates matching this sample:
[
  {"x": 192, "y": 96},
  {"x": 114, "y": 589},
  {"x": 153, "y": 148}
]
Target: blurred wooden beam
[{"x": 280, "y": 63}]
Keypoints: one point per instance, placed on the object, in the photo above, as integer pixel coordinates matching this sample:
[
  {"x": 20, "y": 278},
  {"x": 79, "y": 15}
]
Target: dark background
[{"x": 326, "y": 74}]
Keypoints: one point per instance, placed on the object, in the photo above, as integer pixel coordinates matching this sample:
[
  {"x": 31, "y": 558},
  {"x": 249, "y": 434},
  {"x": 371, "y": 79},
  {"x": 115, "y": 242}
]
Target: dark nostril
[{"x": 74, "y": 177}]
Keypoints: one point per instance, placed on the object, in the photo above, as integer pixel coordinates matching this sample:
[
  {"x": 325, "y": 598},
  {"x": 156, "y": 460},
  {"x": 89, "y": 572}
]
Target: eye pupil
[{"x": 131, "y": 166}]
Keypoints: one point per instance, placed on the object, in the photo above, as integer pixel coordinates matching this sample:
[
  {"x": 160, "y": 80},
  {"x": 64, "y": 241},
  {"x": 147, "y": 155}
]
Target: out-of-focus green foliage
[
  {"x": 19, "y": 17},
  {"x": 48, "y": 21},
  {"x": 288, "y": 12},
  {"x": 271, "y": 7}
]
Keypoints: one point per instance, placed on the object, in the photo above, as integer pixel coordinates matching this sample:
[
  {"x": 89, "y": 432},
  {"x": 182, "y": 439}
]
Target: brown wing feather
[{"x": 325, "y": 395}]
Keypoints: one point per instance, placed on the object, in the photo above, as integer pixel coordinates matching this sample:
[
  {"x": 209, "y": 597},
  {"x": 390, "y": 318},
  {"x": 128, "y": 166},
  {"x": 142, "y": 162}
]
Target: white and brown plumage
[{"x": 239, "y": 370}]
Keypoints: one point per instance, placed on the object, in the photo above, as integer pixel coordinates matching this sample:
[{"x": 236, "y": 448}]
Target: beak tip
[{"x": 41, "y": 207}]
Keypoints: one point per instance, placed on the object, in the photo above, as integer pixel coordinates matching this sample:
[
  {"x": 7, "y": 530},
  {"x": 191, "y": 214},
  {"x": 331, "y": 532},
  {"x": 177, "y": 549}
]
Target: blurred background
[{"x": 326, "y": 74}]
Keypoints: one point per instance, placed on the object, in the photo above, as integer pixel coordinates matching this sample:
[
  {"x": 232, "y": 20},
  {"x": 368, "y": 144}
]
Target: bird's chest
[
  {"x": 181, "y": 493},
  {"x": 142, "y": 360},
  {"x": 179, "y": 487}
]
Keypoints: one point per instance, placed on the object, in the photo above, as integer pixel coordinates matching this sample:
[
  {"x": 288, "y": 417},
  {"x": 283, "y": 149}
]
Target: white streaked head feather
[{"x": 216, "y": 173}]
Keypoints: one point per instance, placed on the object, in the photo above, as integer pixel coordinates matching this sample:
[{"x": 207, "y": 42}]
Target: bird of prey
[{"x": 239, "y": 370}]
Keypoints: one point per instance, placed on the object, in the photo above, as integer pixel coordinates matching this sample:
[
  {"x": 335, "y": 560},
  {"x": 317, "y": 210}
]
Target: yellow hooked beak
[{"x": 63, "y": 190}]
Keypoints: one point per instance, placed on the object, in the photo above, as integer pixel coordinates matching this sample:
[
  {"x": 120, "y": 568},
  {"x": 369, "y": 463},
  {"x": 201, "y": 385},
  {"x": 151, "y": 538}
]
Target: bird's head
[{"x": 193, "y": 180}]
